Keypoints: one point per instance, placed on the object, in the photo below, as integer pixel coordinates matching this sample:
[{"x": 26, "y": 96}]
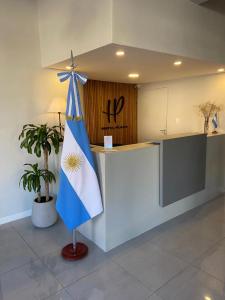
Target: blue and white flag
[
  {"x": 79, "y": 197},
  {"x": 215, "y": 121}
]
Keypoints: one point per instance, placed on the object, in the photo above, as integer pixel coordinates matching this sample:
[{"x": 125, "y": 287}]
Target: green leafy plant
[
  {"x": 31, "y": 179},
  {"x": 40, "y": 139}
]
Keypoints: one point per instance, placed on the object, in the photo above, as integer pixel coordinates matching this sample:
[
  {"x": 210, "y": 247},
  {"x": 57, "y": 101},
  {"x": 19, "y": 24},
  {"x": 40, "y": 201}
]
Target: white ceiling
[{"x": 103, "y": 64}]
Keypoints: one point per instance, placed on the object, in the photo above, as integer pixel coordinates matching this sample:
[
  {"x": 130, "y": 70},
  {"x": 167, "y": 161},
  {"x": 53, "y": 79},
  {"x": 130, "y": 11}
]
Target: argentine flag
[
  {"x": 215, "y": 121},
  {"x": 79, "y": 197}
]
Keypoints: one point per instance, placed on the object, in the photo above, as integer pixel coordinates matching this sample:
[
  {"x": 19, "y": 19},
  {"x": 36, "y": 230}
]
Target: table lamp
[{"x": 58, "y": 105}]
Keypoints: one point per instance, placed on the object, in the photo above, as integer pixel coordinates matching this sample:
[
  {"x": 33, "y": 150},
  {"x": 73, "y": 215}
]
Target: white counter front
[{"x": 129, "y": 180}]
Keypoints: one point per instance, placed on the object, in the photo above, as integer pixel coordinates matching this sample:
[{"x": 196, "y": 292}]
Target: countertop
[
  {"x": 174, "y": 136},
  {"x": 148, "y": 144},
  {"x": 124, "y": 148},
  {"x": 181, "y": 135}
]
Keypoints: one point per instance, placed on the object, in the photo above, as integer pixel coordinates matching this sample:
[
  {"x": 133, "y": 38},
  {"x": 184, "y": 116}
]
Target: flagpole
[
  {"x": 75, "y": 250},
  {"x": 74, "y": 230},
  {"x": 74, "y": 239}
]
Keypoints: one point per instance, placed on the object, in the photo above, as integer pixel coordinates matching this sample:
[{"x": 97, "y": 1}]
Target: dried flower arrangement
[{"x": 208, "y": 110}]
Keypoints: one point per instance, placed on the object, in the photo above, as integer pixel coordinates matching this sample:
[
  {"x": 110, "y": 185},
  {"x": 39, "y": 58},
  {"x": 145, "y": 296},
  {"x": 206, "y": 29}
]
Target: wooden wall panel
[{"x": 118, "y": 99}]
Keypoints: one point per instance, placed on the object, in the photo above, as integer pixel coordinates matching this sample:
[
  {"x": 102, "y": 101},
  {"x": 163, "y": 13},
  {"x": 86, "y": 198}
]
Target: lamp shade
[{"x": 57, "y": 105}]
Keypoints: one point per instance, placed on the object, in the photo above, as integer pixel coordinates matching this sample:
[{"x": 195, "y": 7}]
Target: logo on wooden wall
[
  {"x": 111, "y": 109},
  {"x": 114, "y": 108}
]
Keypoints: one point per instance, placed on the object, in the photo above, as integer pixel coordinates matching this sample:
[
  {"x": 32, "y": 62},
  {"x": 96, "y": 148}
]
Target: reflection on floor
[{"x": 183, "y": 259}]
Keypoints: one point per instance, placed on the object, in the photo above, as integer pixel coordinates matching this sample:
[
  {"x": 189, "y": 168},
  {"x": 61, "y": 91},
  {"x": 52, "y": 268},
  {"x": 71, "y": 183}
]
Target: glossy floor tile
[
  {"x": 152, "y": 266},
  {"x": 186, "y": 242},
  {"x": 64, "y": 295},
  {"x": 43, "y": 241},
  {"x": 193, "y": 284},
  {"x": 213, "y": 261},
  {"x": 109, "y": 283},
  {"x": 179, "y": 260},
  {"x": 134, "y": 243},
  {"x": 14, "y": 252},
  {"x": 154, "y": 297},
  {"x": 30, "y": 282},
  {"x": 67, "y": 272}
]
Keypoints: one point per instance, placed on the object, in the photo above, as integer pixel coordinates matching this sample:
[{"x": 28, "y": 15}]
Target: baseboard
[{"x": 15, "y": 217}]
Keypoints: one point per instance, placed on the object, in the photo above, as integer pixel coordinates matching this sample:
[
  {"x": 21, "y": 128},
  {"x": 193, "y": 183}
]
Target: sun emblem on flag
[{"x": 72, "y": 162}]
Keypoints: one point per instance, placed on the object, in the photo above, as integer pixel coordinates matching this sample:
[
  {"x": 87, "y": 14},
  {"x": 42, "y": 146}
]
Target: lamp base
[{"x": 69, "y": 253}]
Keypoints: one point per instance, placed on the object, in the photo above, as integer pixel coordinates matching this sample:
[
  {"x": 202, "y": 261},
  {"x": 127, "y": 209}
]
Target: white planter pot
[{"x": 44, "y": 214}]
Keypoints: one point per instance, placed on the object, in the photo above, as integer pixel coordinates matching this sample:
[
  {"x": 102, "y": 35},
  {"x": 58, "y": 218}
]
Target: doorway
[{"x": 152, "y": 112}]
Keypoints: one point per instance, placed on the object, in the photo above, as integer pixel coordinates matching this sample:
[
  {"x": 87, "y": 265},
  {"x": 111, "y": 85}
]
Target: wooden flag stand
[{"x": 75, "y": 250}]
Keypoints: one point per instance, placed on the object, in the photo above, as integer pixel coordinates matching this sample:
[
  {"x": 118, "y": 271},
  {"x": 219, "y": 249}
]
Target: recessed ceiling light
[
  {"x": 221, "y": 70},
  {"x": 177, "y": 63},
  {"x": 133, "y": 75},
  {"x": 207, "y": 298},
  {"x": 68, "y": 67},
  {"x": 120, "y": 53}
]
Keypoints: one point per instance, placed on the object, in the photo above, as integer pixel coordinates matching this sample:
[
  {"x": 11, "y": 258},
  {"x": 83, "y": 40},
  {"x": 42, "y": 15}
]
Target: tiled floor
[{"x": 183, "y": 259}]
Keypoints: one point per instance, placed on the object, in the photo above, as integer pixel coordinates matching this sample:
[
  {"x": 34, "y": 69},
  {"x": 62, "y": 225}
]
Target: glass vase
[{"x": 206, "y": 126}]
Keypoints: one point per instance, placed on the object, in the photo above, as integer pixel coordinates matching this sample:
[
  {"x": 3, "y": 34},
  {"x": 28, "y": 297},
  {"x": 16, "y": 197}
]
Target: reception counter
[{"x": 129, "y": 178}]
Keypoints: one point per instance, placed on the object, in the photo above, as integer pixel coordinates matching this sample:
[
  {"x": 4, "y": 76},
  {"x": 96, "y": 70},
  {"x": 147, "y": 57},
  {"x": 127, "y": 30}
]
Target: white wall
[
  {"x": 25, "y": 93},
  {"x": 70, "y": 24},
  {"x": 171, "y": 26},
  {"x": 184, "y": 96},
  {"x": 177, "y": 27}
]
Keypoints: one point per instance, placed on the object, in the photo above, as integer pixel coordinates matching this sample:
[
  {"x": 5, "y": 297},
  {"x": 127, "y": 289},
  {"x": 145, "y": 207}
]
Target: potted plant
[{"x": 40, "y": 139}]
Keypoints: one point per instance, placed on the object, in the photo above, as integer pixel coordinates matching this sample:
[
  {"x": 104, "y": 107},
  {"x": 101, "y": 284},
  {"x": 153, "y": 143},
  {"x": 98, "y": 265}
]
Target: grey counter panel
[{"x": 182, "y": 167}]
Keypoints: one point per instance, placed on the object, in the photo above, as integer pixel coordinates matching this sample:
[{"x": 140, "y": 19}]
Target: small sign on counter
[{"x": 108, "y": 144}]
